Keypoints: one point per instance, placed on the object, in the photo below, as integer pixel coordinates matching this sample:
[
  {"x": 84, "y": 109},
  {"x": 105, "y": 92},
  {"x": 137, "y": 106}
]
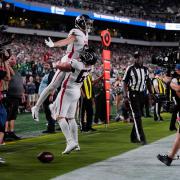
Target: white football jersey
[
  {"x": 73, "y": 80},
  {"x": 77, "y": 46}
]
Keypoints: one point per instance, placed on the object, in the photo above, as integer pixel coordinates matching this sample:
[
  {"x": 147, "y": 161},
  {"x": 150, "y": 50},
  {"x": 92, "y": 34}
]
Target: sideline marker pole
[{"x": 106, "y": 56}]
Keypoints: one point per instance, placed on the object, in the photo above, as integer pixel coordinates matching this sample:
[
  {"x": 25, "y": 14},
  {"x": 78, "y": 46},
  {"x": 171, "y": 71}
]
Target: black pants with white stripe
[
  {"x": 137, "y": 101},
  {"x": 157, "y": 111}
]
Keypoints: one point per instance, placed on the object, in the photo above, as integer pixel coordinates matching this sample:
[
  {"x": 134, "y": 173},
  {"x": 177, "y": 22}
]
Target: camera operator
[
  {"x": 160, "y": 93},
  {"x": 4, "y": 75},
  {"x": 175, "y": 83}
]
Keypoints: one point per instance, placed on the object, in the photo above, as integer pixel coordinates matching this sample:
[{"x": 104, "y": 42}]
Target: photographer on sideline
[
  {"x": 175, "y": 85},
  {"x": 176, "y": 98},
  {"x": 4, "y": 75}
]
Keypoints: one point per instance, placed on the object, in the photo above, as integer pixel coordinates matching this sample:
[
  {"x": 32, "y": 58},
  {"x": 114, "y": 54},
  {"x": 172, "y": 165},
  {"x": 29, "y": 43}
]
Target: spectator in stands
[{"x": 160, "y": 10}]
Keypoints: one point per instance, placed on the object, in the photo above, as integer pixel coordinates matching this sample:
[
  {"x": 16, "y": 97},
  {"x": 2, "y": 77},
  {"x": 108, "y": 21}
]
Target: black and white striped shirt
[{"x": 136, "y": 77}]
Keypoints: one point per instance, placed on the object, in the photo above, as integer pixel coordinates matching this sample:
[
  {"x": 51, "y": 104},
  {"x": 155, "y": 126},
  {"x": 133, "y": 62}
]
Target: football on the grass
[{"x": 45, "y": 157}]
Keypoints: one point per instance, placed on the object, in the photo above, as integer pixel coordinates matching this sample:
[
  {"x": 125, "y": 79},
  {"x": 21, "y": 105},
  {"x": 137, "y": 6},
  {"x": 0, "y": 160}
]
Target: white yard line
[{"x": 137, "y": 164}]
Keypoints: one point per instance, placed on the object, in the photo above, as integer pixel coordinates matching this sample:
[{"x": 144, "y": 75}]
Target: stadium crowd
[{"x": 161, "y": 10}]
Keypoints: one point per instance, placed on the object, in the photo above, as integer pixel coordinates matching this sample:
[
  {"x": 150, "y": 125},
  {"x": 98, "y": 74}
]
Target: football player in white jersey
[
  {"x": 76, "y": 41},
  {"x": 76, "y": 71}
]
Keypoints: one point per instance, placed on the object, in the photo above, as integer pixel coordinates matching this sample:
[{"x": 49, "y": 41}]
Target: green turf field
[{"x": 22, "y": 163}]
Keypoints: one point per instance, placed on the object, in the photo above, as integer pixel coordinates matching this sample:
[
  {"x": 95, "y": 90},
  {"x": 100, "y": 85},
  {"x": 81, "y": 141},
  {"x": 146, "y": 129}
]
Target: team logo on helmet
[
  {"x": 88, "y": 56},
  {"x": 83, "y": 22}
]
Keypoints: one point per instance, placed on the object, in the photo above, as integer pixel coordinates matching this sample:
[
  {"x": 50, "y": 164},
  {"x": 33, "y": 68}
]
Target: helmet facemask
[
  {"x": 84, "y": 23},
  {"x": 89, "y": 25}
]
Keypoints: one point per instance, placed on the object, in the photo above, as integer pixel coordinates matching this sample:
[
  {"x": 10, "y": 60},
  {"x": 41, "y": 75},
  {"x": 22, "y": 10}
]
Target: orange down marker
[{"x": 106, "y": 56}]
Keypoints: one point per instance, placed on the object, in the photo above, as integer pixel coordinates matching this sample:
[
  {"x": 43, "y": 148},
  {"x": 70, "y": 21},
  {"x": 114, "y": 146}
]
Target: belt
[{"x": 134, "y": 91}]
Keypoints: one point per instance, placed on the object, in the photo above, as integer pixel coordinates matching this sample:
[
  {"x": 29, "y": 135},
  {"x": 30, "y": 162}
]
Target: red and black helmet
[{"x": 84, "y": 23}]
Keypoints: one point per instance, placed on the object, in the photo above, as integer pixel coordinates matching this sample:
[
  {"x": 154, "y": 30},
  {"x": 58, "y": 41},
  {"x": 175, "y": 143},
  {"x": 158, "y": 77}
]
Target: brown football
[{"x": 45, "y": 157}]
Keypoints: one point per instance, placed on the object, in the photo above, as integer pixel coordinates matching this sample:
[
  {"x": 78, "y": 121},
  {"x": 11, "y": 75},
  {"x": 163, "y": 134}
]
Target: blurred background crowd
[{"x": 155, "y": 10}]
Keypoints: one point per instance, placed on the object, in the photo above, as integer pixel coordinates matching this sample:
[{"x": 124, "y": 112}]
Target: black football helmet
[
  {"x": 88, "y": 56},
  {"x": 137, "y": 54},
  {"x": 84, "y": 23}
]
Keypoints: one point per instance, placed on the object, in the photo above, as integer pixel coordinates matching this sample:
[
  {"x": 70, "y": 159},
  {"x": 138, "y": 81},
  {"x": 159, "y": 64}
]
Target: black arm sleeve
[{"x": 50, "y": 77}]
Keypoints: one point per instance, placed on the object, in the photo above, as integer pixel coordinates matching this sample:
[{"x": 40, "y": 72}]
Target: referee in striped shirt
[{"x": 135, "y": 81}]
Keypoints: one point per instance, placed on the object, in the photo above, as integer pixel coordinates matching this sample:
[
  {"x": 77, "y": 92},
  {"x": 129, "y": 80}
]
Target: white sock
[
  {"x": 55, "y": 83},
  {"x": 73, "y": 129},
  {"x": 43, "y": 97},
  {"x": 56, "y": 104},
  {"x": 65, "y": 129}
]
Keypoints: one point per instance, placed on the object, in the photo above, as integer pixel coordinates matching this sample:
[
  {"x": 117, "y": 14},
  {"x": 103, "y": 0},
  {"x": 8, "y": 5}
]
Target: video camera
[{"x": 167, "y": 60}]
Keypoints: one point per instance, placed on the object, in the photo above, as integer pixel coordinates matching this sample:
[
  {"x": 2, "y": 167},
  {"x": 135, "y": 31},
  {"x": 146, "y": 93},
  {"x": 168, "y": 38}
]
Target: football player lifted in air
[
  {"x": 76, "y": 41},
  {"x": 76, "y": 70}
]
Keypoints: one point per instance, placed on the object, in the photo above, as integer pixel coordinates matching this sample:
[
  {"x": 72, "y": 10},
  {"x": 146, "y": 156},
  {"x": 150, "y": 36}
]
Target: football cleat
[
  {"x": 35, "y": 113},
  {"x": 165, "y": 159},
  {"x": 70, "y": 147},
  {"x": 2, "y": 161},
  {"x": 77, "y": 148}
]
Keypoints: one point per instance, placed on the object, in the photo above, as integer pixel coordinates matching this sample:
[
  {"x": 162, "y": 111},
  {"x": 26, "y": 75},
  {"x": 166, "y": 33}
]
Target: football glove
[{"x": 49, "y": 42}]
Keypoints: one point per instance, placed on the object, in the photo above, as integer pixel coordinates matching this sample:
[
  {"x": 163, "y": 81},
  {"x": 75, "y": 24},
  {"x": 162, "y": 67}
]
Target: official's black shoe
[
  {"x": 173, "y": 129},
  {"x": 135, "y": 141},
  {"x": 14, "y": 136},
  {"x": 58, "y": 129},
  {"x": 165, "y": 159},
  {"x": 92, "y": 129},
  {"x": 143, "y": 142},
  {"x": 48, "y": 132}
]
